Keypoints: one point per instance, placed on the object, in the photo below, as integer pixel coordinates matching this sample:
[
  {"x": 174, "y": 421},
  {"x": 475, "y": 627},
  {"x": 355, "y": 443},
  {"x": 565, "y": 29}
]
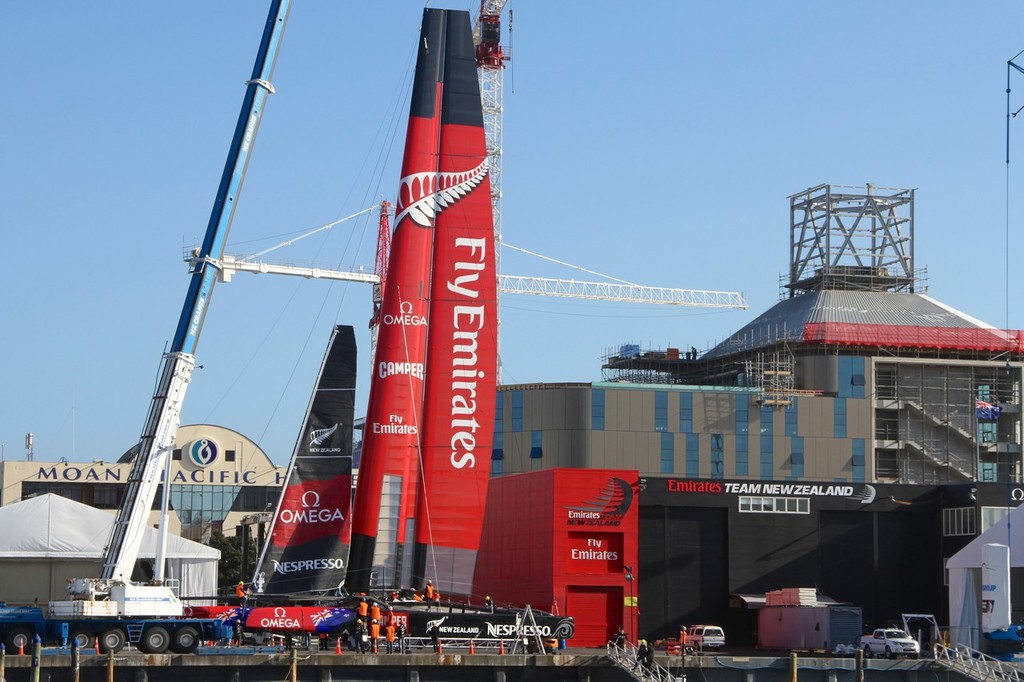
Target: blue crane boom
[{"x": 162, "y": 421}]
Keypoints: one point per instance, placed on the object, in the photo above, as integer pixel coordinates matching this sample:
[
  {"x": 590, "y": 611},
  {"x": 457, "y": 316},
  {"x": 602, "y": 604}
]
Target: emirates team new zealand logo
[
  {"x": 607, "y": 508},
  {"x": 422, "y": 196}
]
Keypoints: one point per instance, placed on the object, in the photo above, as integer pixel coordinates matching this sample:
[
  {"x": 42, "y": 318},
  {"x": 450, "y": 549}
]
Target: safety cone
[
  {"x": 471, "y": 649},
  {"x": 440, "y": 647},
  {"x": 501, "y": 647},
  {"x": 96, "y": 644},
  {"x": 21, "y": 648},
  {"x": 337, "y": 646}
]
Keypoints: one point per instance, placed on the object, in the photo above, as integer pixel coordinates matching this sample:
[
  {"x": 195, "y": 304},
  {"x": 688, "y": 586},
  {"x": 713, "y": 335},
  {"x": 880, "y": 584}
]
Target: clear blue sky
[{"x": 656, "y": 142}]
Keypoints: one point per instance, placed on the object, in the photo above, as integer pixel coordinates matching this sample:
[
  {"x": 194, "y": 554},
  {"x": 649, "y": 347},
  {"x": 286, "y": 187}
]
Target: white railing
[
  {"x": 625, "y": 657},
  {"x": 977, "y": 665}
]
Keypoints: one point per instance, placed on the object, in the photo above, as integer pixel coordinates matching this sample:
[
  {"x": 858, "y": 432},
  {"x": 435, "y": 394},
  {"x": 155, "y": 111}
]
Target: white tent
[
  {"x": 966, "y": 579},
  {"x": 49, "y": 539}
]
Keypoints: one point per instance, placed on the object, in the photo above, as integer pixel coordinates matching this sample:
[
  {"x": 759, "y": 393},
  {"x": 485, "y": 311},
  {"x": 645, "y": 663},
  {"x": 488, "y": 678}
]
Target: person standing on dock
[
  {"x": 389, "y": 636},
  {"x": 430, "y": 594},
  {"x": 401, "y": 638}
]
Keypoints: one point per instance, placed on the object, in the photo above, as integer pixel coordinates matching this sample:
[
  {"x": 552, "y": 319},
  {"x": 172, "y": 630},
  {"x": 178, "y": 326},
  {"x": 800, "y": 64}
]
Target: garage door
[{"x": 597, "y": 612}]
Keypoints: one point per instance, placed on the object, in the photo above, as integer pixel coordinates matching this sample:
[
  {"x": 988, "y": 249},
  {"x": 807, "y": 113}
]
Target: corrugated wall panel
[{"x": 596, "y": 611}]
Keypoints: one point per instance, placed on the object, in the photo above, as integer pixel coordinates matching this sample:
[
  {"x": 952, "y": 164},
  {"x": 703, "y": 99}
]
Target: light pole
[{"x": 632, "y": 602}]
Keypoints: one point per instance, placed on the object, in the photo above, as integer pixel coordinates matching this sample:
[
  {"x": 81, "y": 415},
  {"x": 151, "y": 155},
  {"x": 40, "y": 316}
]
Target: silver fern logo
[
  {"x": 318, "y": 436},
  {"x": 422, "y": 196}
]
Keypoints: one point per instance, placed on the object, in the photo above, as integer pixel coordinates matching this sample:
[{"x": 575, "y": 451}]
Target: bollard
[
  {"x": 76, "y": 661},
  {"x": 110, "y": 666},
  {"x": 792, "y": 667},
  {"x": 37, "y": 651},
  {"x": 293, "y": 669}
]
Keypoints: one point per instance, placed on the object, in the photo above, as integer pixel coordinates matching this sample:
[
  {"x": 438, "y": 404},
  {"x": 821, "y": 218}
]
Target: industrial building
[
  {"x": 852, "y": 437},
  {"x": 218, "y": 478}
]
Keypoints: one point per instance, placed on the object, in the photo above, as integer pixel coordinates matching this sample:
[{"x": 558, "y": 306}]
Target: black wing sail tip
[
  {"x": 306, "y": 547},
  {"x": 446, "y": 54}
]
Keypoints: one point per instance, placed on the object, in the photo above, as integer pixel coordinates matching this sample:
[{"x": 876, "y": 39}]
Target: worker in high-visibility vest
[
  {"x": 374, "y": 634},
  {"x": 375, "y": 612},
  {"x": 429, "y": 594},
  {"x": 364, "y": 608},
  {"x": 389, "y": 635}
]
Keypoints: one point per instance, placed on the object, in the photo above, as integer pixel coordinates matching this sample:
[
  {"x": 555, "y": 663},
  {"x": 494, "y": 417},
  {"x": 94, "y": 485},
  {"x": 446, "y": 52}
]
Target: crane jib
[{"x": 160, "y": 428}]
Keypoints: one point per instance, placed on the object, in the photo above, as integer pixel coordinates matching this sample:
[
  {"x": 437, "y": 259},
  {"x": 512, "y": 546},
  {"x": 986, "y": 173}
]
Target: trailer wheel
[
  {"x": 80, "y": 638},
  {"x": 867, "y": 651},
  {"x": 112, "y": 641},
  {"x": 185, "y": 640},
  {"x": 20, "y": 638},
  {"x": 155, "y": 640}
]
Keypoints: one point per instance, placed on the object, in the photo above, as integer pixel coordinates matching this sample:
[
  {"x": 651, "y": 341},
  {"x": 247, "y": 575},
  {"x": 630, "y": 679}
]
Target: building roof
[
  {"x": 859, "y": 318},
  {"x": 54, "y": 526}
]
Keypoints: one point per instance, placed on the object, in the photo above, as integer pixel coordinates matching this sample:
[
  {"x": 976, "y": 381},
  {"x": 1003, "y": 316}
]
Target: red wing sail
[
  {"x": 308, "y": 542},
  {"x": 391, "y": 434},
  {"x": 459, "y": 394}
]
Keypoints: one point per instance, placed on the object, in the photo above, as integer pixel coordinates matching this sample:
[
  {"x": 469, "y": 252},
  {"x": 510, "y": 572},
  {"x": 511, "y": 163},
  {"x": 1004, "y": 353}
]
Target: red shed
[{"x": 565, "y": 541}]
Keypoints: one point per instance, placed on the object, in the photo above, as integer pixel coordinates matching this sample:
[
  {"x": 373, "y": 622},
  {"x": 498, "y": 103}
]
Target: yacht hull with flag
[
  {"x": 431, "y": 406},
  {"x": 307, "y": 546}
]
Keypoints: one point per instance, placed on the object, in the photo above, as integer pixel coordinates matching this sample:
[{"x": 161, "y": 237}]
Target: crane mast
[{"x": 178, "y": 362}]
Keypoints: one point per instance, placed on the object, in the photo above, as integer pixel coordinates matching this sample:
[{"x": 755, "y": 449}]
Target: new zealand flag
[{"x": 987, "y": 412}]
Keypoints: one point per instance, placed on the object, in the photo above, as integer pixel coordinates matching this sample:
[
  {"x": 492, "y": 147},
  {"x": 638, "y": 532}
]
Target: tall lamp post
[{"x": 632, "y": 602}]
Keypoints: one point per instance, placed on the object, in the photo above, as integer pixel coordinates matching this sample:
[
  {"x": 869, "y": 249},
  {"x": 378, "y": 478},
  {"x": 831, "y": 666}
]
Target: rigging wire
[{"x": 1010, "y": 66}]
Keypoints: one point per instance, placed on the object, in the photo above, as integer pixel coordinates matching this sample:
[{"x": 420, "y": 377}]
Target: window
[
  {"x": 791, "y": 420},
  {"x": 742, "y": 413},
  {"x": 742, "y": 455},
  {"x": 958, "y": 521},
  {"x": 767, "y": 457},
  {"x": 536, "y": 449},
  {"x": 693, "y": 454},
  {"x": 499, "y": 413},
  {"x": 660, "y": 411},
  {"x": 668, "y": 456},
  {"x": 851, "y": 377},
  {"x": 686, "y": 413},
  {"x": 597, "y": 409},
  {"x": 797, "y": 457},
  {"x": 717, "y": 456},
  {"x": 990, "y": 516},
  {"x": 767, "y": 417},
  {"x": 857, "y": 461},
  {"x": 517, "y": 411},
  {"x": 774, "y": 505},
  {"x": 839, "y": 418},
  {"x": 498, "y": 449}
]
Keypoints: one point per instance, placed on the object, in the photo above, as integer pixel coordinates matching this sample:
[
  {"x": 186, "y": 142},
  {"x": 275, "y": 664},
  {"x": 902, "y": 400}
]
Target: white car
[{"x": 705, "y": 637}]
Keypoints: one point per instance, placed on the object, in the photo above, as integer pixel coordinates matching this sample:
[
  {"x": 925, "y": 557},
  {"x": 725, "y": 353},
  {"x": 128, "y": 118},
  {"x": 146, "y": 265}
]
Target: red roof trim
[{"x": 909, "y": 336}]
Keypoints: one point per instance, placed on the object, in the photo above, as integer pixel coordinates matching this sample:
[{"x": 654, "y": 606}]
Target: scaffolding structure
[
  {"x": 851, "y": 238},
  {"x": 772, "y": 373},
  {"x": 929, "y": 428}
]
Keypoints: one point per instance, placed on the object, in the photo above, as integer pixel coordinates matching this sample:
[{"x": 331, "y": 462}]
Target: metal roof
[{"x": 785, "y": 320}]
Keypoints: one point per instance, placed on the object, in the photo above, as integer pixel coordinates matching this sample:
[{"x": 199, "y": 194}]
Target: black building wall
[{"x": 696, "y": 549}]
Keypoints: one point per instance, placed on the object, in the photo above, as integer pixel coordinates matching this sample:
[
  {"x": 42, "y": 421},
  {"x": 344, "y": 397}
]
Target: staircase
[
  {"x": 625, "y": 658},
  {"x": 976, "y": 665}
]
